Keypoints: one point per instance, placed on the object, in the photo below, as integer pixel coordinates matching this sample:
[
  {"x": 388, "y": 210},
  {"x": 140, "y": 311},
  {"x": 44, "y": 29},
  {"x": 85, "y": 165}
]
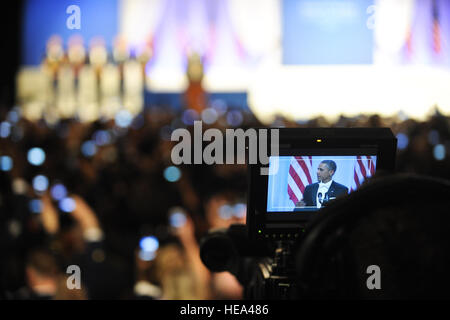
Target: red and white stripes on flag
[
  {"x": 364, "y": 168},
  {"x": 436, "y": 28},
  {"x": 300, "y": 175}
]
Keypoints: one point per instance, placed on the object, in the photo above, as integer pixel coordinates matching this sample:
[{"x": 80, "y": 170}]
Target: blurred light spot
[
  {"x": 402, "y": 141},
  {"x": 67, "y": 204},
  {"x": 35, "y": 206},
  {"x": 439, "y": 152},
  {"x": 177, "y": 219},
  {"x": 402, "y": 115},
  {"x": 6, "y": 163},
  {"x": 88, "y": 148},
  {"x": 123, "y": 118},
  {"x": 149, "y": 244},
  {"x": 15, "y": 228},
  {"x": 58, "y": 192},
  {"x": 101, "y": 137},
  {"x": 5, "y": 129},
  {"x": 146, "y": 256},
  {"x": 209, "y": 116},
  {"x": 19, "y": 186},
  {"x": 240, "y": 210},
  {"x": 36, "y": 156},
  {"x": 234, "y": 118},
  {"x": 172, "y": 174},
  {"x": 14, "y": 115},
  {"x": 189, "y": 116},
  {"x": 226, "y": 212},
  {"x": 220, "y": 106},
  {"x": 40, "y": 183},
  {"x": 433, "y": 137}
]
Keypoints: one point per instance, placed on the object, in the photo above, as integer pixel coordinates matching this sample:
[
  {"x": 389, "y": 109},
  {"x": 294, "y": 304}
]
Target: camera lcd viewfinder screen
[{"x": 308, "y": 183}]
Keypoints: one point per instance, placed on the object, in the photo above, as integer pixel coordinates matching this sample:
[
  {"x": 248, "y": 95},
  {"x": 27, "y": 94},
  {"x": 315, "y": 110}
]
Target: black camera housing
[{"x": 263, "y": 225}]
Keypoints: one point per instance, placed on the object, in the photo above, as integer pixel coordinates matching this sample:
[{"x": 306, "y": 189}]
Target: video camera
[{"x": 313, "y": 167}]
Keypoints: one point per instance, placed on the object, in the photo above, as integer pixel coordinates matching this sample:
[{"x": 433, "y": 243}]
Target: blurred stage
[{"x": 296, "y": 58}]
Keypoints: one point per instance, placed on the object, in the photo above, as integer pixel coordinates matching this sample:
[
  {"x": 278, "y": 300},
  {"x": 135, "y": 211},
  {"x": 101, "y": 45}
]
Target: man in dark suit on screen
[{"x": 319, "y": 193}]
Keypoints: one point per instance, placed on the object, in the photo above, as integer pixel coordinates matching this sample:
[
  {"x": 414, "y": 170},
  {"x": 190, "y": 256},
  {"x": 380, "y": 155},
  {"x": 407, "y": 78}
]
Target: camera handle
[{"x": 274, "y": 277}]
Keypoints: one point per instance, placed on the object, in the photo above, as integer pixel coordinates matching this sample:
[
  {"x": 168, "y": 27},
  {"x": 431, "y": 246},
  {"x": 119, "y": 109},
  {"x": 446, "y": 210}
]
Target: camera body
[{"x": 268, "y": 221}]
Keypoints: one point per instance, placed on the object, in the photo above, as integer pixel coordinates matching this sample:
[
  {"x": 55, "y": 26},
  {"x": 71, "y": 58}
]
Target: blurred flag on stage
[
  {"x": 428, "y": 38},
  {"x": 436, "y": 28}
]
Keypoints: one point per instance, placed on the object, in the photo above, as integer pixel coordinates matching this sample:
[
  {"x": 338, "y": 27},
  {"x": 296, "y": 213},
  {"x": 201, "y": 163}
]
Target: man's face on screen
[{"x": 324, "y": 174}]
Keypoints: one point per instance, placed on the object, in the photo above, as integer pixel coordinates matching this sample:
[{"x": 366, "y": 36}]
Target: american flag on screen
[
  {"x": 364, "y": 168},
  {"x": 299, "y": 177}
]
